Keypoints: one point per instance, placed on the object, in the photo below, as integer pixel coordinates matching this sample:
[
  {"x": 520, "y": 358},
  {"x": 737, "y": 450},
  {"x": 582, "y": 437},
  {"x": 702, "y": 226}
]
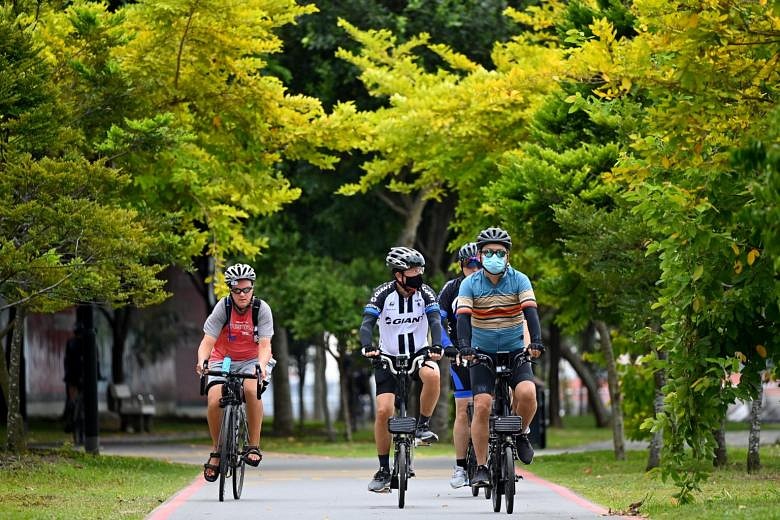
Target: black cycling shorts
[
  {"x": 483, "y": 380},
  {"x": 461, "y": 380}
]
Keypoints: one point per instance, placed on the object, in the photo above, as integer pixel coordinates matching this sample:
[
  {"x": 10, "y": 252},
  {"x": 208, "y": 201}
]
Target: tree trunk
[
  {"x": 302, "y": 359},
  {"x": 3, "y": 365},
  {"x": 413, "y": 215},
  {"x": 319, "y": 387},
  {"x": 657, "y": 442},
  {"x": 753, "y": 456},
  {"x": 15, "y": 441},
  {"x": 346, "y": 412},
  {"x": 615, "y": 395},
  {"x": 283, "y": 415},
  {"x": 322, "y": 383},
  {"x": 588, "y": 379},
  {"x": 553, "y": 378},
  {"x": 721, "y": 456}
]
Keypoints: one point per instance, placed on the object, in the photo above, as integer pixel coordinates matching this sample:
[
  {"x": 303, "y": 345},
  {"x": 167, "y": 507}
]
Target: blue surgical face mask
[{"x": 494, "y": 264}]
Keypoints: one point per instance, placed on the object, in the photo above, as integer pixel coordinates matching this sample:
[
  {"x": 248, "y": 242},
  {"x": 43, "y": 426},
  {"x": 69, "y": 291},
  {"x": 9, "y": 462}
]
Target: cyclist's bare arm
[
  {"x": 204, "y": 351},
  {"x": 263, "y": 354}
]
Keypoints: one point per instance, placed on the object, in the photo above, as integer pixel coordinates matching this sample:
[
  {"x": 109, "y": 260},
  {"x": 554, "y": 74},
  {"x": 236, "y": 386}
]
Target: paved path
[{"x": 324, "y": 488}]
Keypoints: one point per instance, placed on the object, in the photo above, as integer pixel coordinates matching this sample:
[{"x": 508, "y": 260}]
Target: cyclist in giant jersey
[
  {"x": 247, "y": 348},
  {"x": 493, "y": 305},
  {"x": 405, "y": 309}
]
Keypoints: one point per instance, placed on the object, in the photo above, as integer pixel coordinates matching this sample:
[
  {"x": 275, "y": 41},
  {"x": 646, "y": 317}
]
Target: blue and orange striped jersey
[{"x": 496, "y": 310}]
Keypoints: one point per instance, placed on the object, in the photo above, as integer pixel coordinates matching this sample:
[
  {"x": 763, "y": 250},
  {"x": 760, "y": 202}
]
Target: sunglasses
[
  {"x": 245, "y": 290},
  {"x": 490, "y": 252}
]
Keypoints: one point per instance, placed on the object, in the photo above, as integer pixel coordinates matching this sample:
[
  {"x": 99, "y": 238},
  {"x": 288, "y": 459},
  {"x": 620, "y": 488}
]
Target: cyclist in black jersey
[
  {"x": 405, "y": 310},
  {"x": 459, "y": 372}
]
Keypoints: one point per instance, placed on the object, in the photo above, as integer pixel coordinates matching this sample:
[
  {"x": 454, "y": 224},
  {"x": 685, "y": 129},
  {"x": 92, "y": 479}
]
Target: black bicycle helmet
[
  {"x": 403, "y": 258},
  {"x": 494, "y": 235},
  {"x": 467, "y": 251},
  {"x": 237, "y": 272}
]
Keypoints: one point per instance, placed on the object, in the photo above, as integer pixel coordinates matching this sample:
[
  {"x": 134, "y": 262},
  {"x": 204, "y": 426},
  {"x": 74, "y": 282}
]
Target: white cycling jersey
[{"x": 403, "y": 322}]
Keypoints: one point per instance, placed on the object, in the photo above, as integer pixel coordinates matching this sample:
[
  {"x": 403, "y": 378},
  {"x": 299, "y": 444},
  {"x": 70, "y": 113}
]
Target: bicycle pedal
[
  {"x": 518, "y": 478},
  {"x": 419, "y": 442}
]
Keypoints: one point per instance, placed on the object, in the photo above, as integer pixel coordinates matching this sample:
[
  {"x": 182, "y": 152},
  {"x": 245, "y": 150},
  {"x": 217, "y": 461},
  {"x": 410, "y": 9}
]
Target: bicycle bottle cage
[
  {"x": 401, "y": 424},
  {"x": 506, "y": 424}
]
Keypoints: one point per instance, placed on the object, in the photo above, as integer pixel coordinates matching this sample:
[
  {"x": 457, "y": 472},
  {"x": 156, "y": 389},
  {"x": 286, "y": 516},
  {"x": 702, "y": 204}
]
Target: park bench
[{"x": 135, "y": 410}]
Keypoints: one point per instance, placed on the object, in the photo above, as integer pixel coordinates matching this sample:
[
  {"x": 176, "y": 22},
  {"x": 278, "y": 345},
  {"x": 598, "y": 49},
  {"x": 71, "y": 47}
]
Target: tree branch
[{"x": 36, "y": 293}]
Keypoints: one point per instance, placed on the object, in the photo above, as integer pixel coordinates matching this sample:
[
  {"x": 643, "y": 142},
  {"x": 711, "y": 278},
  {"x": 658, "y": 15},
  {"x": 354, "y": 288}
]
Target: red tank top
[{"x": 236, "y": 339}]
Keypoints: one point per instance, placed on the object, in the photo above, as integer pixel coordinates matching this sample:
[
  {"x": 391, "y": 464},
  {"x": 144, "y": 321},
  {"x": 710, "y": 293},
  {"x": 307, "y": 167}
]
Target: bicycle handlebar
[
  {"x": 523, "y": 358},
  {"x": 415, "y": 364},
  {"x": 219, "y": 373}
]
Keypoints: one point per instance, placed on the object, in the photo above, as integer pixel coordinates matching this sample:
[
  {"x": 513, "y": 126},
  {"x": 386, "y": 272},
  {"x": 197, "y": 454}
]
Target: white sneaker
[{"x": 459, "y": 478}]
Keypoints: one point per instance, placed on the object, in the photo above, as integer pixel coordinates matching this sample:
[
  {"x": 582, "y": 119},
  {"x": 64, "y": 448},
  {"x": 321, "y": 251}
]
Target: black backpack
[{"x": 255, "y": 313}]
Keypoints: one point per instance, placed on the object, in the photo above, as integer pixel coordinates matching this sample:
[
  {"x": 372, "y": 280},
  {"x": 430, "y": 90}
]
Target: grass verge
[
  {"x": 730, "y": 492},
  {"x": 68, "y": 484}
]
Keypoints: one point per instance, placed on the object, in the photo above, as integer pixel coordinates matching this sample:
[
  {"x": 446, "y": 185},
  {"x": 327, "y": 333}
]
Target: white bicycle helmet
[
  {"x": 237, "y": 272},
  {"x": 403, "y": 258}
]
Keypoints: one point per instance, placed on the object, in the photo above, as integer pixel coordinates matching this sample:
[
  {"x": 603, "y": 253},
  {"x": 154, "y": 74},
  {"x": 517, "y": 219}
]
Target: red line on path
[
  {"x": 164, "y": 510},
  {"x": 564, "y": 492}
]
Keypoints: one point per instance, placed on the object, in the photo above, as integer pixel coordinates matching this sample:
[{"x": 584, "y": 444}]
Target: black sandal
[
  {"x": 213, "y": 467},
  {"x": 252, "y": 450}
]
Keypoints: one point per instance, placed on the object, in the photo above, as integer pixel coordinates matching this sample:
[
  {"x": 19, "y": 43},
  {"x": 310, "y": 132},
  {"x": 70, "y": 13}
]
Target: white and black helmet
[
  {"x": 494, "y": 235},
  {"x": 467, "y": 251},
  {"x": 237, "y": 272},
  {"x": 403, "y": 258}
]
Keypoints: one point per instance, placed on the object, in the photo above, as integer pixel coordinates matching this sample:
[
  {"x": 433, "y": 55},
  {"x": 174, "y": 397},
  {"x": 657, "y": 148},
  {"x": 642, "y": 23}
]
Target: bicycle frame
[
  {"x": 401, "y": 426},
  {"x": 503, "y": 426},
  {"x": 233, "y": 428}
]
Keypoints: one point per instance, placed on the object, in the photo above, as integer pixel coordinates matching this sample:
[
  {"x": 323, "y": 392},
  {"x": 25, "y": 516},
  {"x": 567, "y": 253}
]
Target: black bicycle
[
  {"x": 401, "y": 426},
  {"x": 504, "y": 426},
  {"x": 233, "y": 432}
]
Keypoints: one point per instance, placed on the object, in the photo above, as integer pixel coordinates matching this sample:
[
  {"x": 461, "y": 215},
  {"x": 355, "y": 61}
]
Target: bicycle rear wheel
[
  {"x": 471, "y": 467},
  {"x": 509, "y": 479},
  {"x": 225, "y": 440},
  {"x": 241, "y": 439},
  {"x": 402, "y": 465}
]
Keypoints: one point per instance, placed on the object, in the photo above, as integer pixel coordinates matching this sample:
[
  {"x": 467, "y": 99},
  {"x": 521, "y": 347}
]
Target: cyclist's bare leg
[
  {"x": 460, "y": 429},
  {"x": 479, "y": 426},
  {"x": 385, "y": 405},
  {"x": 254, "y": 415},
  {"x": 429, "y": 396},
  {"x": 213, "y": 416},
  {"x": 524, "y": 402}
]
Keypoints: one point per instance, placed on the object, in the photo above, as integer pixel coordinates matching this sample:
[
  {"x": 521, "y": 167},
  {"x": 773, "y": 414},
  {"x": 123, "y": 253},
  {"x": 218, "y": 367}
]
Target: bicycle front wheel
[
  {"x": 225, "y": 440},
  {"x": 496, "y": 472},
  {"x": 241, "y": 439},
  {"x": 509, "y": 479},
  {"x": 402, "y": 462}
]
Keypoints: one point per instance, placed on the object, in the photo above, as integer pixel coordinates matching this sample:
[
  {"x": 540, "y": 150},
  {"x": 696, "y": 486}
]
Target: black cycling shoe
[
  {"x": 381, "y": 481},
  {"x": 424, "y": 434},
  {"x": 481, "y": 477},
  {"x": 525, "y": 452}
]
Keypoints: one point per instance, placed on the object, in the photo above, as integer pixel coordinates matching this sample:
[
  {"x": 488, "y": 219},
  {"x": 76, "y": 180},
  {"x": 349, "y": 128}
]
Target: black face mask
[{"x": 415, "y": 282}]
